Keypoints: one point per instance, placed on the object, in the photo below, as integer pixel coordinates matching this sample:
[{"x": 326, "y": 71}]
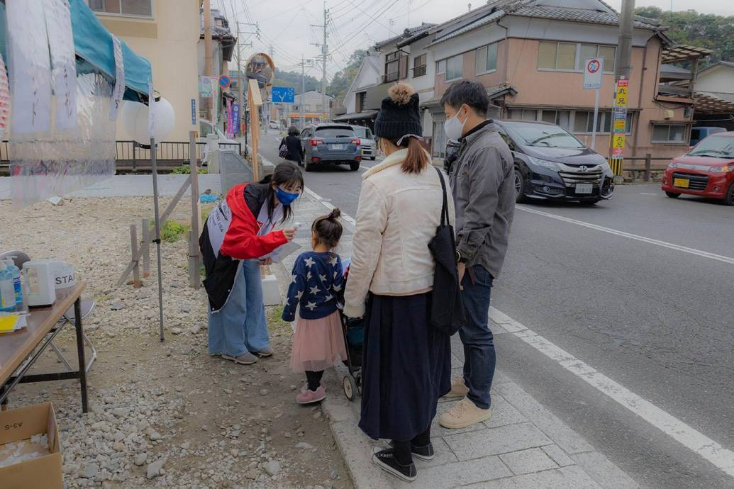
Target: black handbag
[{"x": 447, "y": 308}]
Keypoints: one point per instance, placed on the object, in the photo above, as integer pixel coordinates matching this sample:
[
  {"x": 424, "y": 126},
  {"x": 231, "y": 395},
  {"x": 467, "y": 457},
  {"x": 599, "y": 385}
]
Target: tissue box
[{"x": 30, "y": 453}]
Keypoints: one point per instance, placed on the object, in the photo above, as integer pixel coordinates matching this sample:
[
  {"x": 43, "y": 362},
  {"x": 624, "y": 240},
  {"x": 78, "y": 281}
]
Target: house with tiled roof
[{"x": 530, "y": 55}]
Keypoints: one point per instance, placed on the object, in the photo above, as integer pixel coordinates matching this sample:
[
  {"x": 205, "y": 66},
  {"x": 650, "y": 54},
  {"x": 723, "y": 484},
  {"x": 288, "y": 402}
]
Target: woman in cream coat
[{"x": 406, "y": 365}]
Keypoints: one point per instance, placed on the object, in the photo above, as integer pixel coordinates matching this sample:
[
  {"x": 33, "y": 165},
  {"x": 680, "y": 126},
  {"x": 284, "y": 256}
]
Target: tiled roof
[
  {"x": 407, "y": 33},
  {"x": 581, "y": 15}
]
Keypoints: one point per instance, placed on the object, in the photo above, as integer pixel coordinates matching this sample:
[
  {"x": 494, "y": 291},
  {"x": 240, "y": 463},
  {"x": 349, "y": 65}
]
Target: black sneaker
[
  {"x": 423, "y": 453},
  {"x": 385, "y": 459}
]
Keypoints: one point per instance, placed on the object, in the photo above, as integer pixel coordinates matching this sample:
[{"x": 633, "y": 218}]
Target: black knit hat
[{"x": 399, "y": 114}]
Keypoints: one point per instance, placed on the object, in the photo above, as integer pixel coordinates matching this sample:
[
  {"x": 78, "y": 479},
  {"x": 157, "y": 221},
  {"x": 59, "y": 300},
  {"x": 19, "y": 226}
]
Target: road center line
[
  {"x": 689, "y": 437},
  {"x": 643, "y": 239}
]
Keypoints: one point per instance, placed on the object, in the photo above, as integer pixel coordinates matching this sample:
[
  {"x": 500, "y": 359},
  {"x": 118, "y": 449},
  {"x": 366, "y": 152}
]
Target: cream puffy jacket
[{"x": 397, "y": 217}]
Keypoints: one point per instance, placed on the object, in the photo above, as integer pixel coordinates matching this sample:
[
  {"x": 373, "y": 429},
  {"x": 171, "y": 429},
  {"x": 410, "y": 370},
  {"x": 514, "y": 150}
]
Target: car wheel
[
  {"x": 673, "y": 195},
  {"x": 307, "y": 166},
  {"x": 729, "y": 199},
  {"x": 354, "y": 165},
  {"x": 373, "y": 158},
  {"x": 519, "y": 187}
]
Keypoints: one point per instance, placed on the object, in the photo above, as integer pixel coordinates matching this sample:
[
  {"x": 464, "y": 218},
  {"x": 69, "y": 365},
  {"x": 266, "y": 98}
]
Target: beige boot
[
  {"x": 458, "y": 388},
  {"x": 464, "y": 413}
]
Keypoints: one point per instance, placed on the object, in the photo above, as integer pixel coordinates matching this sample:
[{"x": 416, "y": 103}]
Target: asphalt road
[{"x": 641, "y": 289}]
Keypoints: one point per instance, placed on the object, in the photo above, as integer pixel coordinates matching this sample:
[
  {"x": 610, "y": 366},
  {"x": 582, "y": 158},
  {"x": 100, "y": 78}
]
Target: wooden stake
[
  {"x": 145, "y": 248},
  {"x": 135, "y": 256}
]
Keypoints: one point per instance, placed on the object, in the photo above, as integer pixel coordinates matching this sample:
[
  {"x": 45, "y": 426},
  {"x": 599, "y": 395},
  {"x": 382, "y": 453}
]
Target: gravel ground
[{"x": 165, "y": 414}]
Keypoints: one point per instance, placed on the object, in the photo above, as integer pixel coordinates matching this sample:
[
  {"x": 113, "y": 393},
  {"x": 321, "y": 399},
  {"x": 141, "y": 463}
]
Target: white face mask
[{"x": 454, "y": 128}]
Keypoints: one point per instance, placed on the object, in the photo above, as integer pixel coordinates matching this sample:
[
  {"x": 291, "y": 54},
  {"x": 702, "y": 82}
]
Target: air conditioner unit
[{"x": 668, "y": 115}]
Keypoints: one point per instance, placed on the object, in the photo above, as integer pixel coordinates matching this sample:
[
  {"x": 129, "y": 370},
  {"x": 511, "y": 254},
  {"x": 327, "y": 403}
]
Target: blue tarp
[{"x": 94, "y": 51}]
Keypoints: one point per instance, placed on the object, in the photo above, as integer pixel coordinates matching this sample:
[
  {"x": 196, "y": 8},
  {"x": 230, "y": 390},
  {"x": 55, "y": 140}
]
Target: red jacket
[{"x": 230, "y": 235}]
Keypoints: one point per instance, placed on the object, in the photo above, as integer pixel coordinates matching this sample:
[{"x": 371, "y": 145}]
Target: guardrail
[
  {"x": 132, "y": 157},
  {"x": 647, "y": 168}
]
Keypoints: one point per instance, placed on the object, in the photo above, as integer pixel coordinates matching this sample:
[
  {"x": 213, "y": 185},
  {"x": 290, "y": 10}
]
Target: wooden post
[
  {"x": 648, "y": 164},
  {"x": 145, "y": 248},
  {"x": 194, "y": 255},
  {"x": 135, "y": 256},
  {"x": 255, "y": 102}
]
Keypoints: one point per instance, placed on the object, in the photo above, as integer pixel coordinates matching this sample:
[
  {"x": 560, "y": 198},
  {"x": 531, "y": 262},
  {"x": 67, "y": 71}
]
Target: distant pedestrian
[
  {"x": 238, "y": 237},
  {"x": 317, "y": 282},
  {"x": 406, "y": 363},
  {"x": 484, "y": 192},
  {"x": 293, "y": 147}
]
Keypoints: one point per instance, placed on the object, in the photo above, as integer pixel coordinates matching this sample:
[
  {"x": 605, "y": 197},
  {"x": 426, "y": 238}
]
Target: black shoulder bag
[{"x": 447, "y": 308}]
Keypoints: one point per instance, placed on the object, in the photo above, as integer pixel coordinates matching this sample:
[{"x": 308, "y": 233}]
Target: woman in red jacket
[{"x": 238, "y": 237}]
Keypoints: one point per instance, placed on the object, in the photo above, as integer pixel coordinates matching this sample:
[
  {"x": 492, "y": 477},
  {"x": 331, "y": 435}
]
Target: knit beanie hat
[{"x": 399, "y": 114}]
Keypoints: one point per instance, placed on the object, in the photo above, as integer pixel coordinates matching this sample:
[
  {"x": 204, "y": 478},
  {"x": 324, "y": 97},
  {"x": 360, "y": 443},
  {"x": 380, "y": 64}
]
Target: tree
[
  {"x": 343, "y": 79},
  {"x": 709, "y": 31}
]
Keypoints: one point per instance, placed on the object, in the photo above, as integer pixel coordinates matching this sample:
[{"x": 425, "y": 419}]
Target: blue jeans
[
  {"x": 478, "y": 341},
  {"x": 240, "y": 326}
]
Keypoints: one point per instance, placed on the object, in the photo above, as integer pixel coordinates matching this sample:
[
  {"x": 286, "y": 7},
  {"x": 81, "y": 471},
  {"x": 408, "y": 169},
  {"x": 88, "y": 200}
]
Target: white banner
[
  {"x": 63, "y": 61},
  {"x": 4, "y": 100},
  {"x": 119, "y": 90},
  {"x": 30, "y": 67}
]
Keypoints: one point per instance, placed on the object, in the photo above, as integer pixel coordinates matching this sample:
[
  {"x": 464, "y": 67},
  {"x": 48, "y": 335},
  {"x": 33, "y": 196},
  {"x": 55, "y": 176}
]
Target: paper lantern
[{"x": 135, "y": 120}]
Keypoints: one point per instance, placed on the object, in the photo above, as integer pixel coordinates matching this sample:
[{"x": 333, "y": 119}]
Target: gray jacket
[{"x": 482, "y": 180}]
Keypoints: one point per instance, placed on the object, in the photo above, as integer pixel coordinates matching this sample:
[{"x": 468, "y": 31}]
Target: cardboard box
[{"x": 20, "y": 425}]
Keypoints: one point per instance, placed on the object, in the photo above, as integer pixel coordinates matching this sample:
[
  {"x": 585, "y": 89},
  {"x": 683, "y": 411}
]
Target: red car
[{"x": 707, "y": 170}]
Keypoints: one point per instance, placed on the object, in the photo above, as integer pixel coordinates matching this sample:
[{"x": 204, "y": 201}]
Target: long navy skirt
[{"x": 406, "y": 367}]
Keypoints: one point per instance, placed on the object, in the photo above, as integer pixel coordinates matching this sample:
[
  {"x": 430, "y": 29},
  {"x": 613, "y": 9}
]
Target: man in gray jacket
[{"x": 482, "y": 180}]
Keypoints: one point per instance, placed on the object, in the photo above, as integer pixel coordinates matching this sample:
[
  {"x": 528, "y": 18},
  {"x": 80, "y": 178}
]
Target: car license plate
[
  {"x": 337, "y": 146},
  {"x": 584, "y": 188},
  {"x": 681, "y": 182}
]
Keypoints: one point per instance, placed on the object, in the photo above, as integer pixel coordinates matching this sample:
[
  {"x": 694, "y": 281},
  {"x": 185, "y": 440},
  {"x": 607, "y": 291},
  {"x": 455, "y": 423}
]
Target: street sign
[
  {"x": 236, "y": 116},
  {"x": 193, "y": 111},
  {"x": 593, "y": 70},
  {"x": 621, "y": 93},
  {"x": 224, "y": 81},
  {"x": 285, "y": 95}
]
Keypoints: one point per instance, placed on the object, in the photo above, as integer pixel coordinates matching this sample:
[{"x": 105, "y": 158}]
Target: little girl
[{"x": 317, "y": 281}]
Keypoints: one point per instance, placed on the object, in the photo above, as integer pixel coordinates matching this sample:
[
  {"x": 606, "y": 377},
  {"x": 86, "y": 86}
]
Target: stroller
[{"x": 353, "y": 330}]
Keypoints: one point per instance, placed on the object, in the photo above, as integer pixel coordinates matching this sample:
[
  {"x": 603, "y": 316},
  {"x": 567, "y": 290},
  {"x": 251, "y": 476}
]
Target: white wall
[
  {"x": 717, "y": 82},
  {"x": 368, "y": 76}
]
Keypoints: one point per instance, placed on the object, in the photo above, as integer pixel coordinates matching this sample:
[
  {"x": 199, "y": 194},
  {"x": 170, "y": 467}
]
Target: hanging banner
[
  {"x": 205, "y": 86},
  {"x": 119, "y": 90},
  {"x": 619, "y": 125},
  {"x": 151, "y": 110},
  {"x": 230, "y": 121},
  {"x": 193, "y": 111},
  {"x": 63, "y": 61},
  {"x": 236, "y": 117},
  {"x": 29, "y": 65},
  {"x": 4, "y": 100}
]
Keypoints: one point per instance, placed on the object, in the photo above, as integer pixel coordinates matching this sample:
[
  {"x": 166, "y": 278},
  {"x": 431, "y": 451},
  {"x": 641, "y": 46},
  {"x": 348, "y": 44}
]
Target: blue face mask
[{"x": 285, "y": 198}]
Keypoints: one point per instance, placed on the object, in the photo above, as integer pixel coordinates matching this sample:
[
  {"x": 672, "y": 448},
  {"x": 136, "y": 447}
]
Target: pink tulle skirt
[{"x": 318, "y": 344}]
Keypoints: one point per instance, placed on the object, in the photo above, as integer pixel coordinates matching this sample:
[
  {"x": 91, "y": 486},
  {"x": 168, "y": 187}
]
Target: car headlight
[
  {"x": 605, "y": 166},
  {"x": 721, "y": 169},
  {"x": 549, "y": 165},
  {"x": 673, "y": 165}
]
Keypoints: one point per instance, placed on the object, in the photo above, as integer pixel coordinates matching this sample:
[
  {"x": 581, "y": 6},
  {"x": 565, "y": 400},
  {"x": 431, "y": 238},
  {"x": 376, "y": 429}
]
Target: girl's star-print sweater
[{"x": 317, "y": 281}]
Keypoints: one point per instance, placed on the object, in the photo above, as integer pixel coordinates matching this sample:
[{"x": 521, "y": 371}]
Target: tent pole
[{"x": 157, "y": 240}]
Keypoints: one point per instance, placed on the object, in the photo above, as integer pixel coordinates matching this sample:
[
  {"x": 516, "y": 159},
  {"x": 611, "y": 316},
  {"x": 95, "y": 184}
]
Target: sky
[{"x": 291, "y": 27}]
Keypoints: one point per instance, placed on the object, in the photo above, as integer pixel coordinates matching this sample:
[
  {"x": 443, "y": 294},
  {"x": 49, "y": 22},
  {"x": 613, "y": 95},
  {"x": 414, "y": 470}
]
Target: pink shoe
[
  {"x": 304, "y": 387},
  {"x": 310, "y": 397}
]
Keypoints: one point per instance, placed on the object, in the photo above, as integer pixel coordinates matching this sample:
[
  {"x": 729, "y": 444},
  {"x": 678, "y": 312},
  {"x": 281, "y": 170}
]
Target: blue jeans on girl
[{"x": 240, "y": 326}]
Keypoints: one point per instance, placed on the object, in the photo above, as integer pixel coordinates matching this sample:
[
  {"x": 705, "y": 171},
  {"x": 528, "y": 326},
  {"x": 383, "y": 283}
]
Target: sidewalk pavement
[{"x": 522, "y": 446}]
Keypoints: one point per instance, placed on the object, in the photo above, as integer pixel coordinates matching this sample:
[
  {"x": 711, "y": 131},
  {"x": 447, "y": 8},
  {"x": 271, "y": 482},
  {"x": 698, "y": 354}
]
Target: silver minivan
[{"x": 369, "y": 145}]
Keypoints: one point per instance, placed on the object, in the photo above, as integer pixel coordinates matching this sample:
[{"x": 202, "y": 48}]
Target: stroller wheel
[{"x": 350, "y": 387}]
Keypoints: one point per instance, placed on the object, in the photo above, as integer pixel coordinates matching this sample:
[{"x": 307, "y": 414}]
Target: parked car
[
  {"x": 206, "y": 128},
  {"x": 369, "y": 145},
  {"x": 698, "y": 134},
  {"x": 707, "y": 170},
  {"x": 551, "y": 164},
  {"x": 330, "y": 143},
  {"x": 274, "y": 125}
]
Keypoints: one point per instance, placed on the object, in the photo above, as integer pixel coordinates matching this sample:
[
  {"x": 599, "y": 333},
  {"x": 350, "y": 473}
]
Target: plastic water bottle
[
  {"x": 7, "y": 290},
  {"x": 16, "y": 282}
]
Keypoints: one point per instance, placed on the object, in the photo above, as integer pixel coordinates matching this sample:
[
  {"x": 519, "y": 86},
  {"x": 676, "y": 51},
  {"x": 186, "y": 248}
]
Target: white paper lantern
[{"x": 135, "y": 120}]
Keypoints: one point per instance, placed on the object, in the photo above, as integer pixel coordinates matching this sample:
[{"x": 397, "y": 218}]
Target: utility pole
[
  {"x": 622, "y": 73},
  {"x": 325, "y": 54},
  {"x": 303, "y": 89},
  {"x": 623, "y": 64},
  {"x": 208, "y": 62}
]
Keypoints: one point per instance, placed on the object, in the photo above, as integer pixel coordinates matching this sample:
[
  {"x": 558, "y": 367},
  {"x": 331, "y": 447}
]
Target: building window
[
  {"x": 441, "y": 67},
  {"x": 392, "y": 67},
  {"x": 575, "y": 121},
  {"x": 138, "y": 8},
  {"x": 668, "y": 133},
  {"x": 571, "y": 56},
  {"x": 486, "y": 59},
  {"x": 454, "y": 67},
  {"x": 420, "y": 65},
  {"x": 360, "y": 98},
  {"x": 439, "y": 140}
]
